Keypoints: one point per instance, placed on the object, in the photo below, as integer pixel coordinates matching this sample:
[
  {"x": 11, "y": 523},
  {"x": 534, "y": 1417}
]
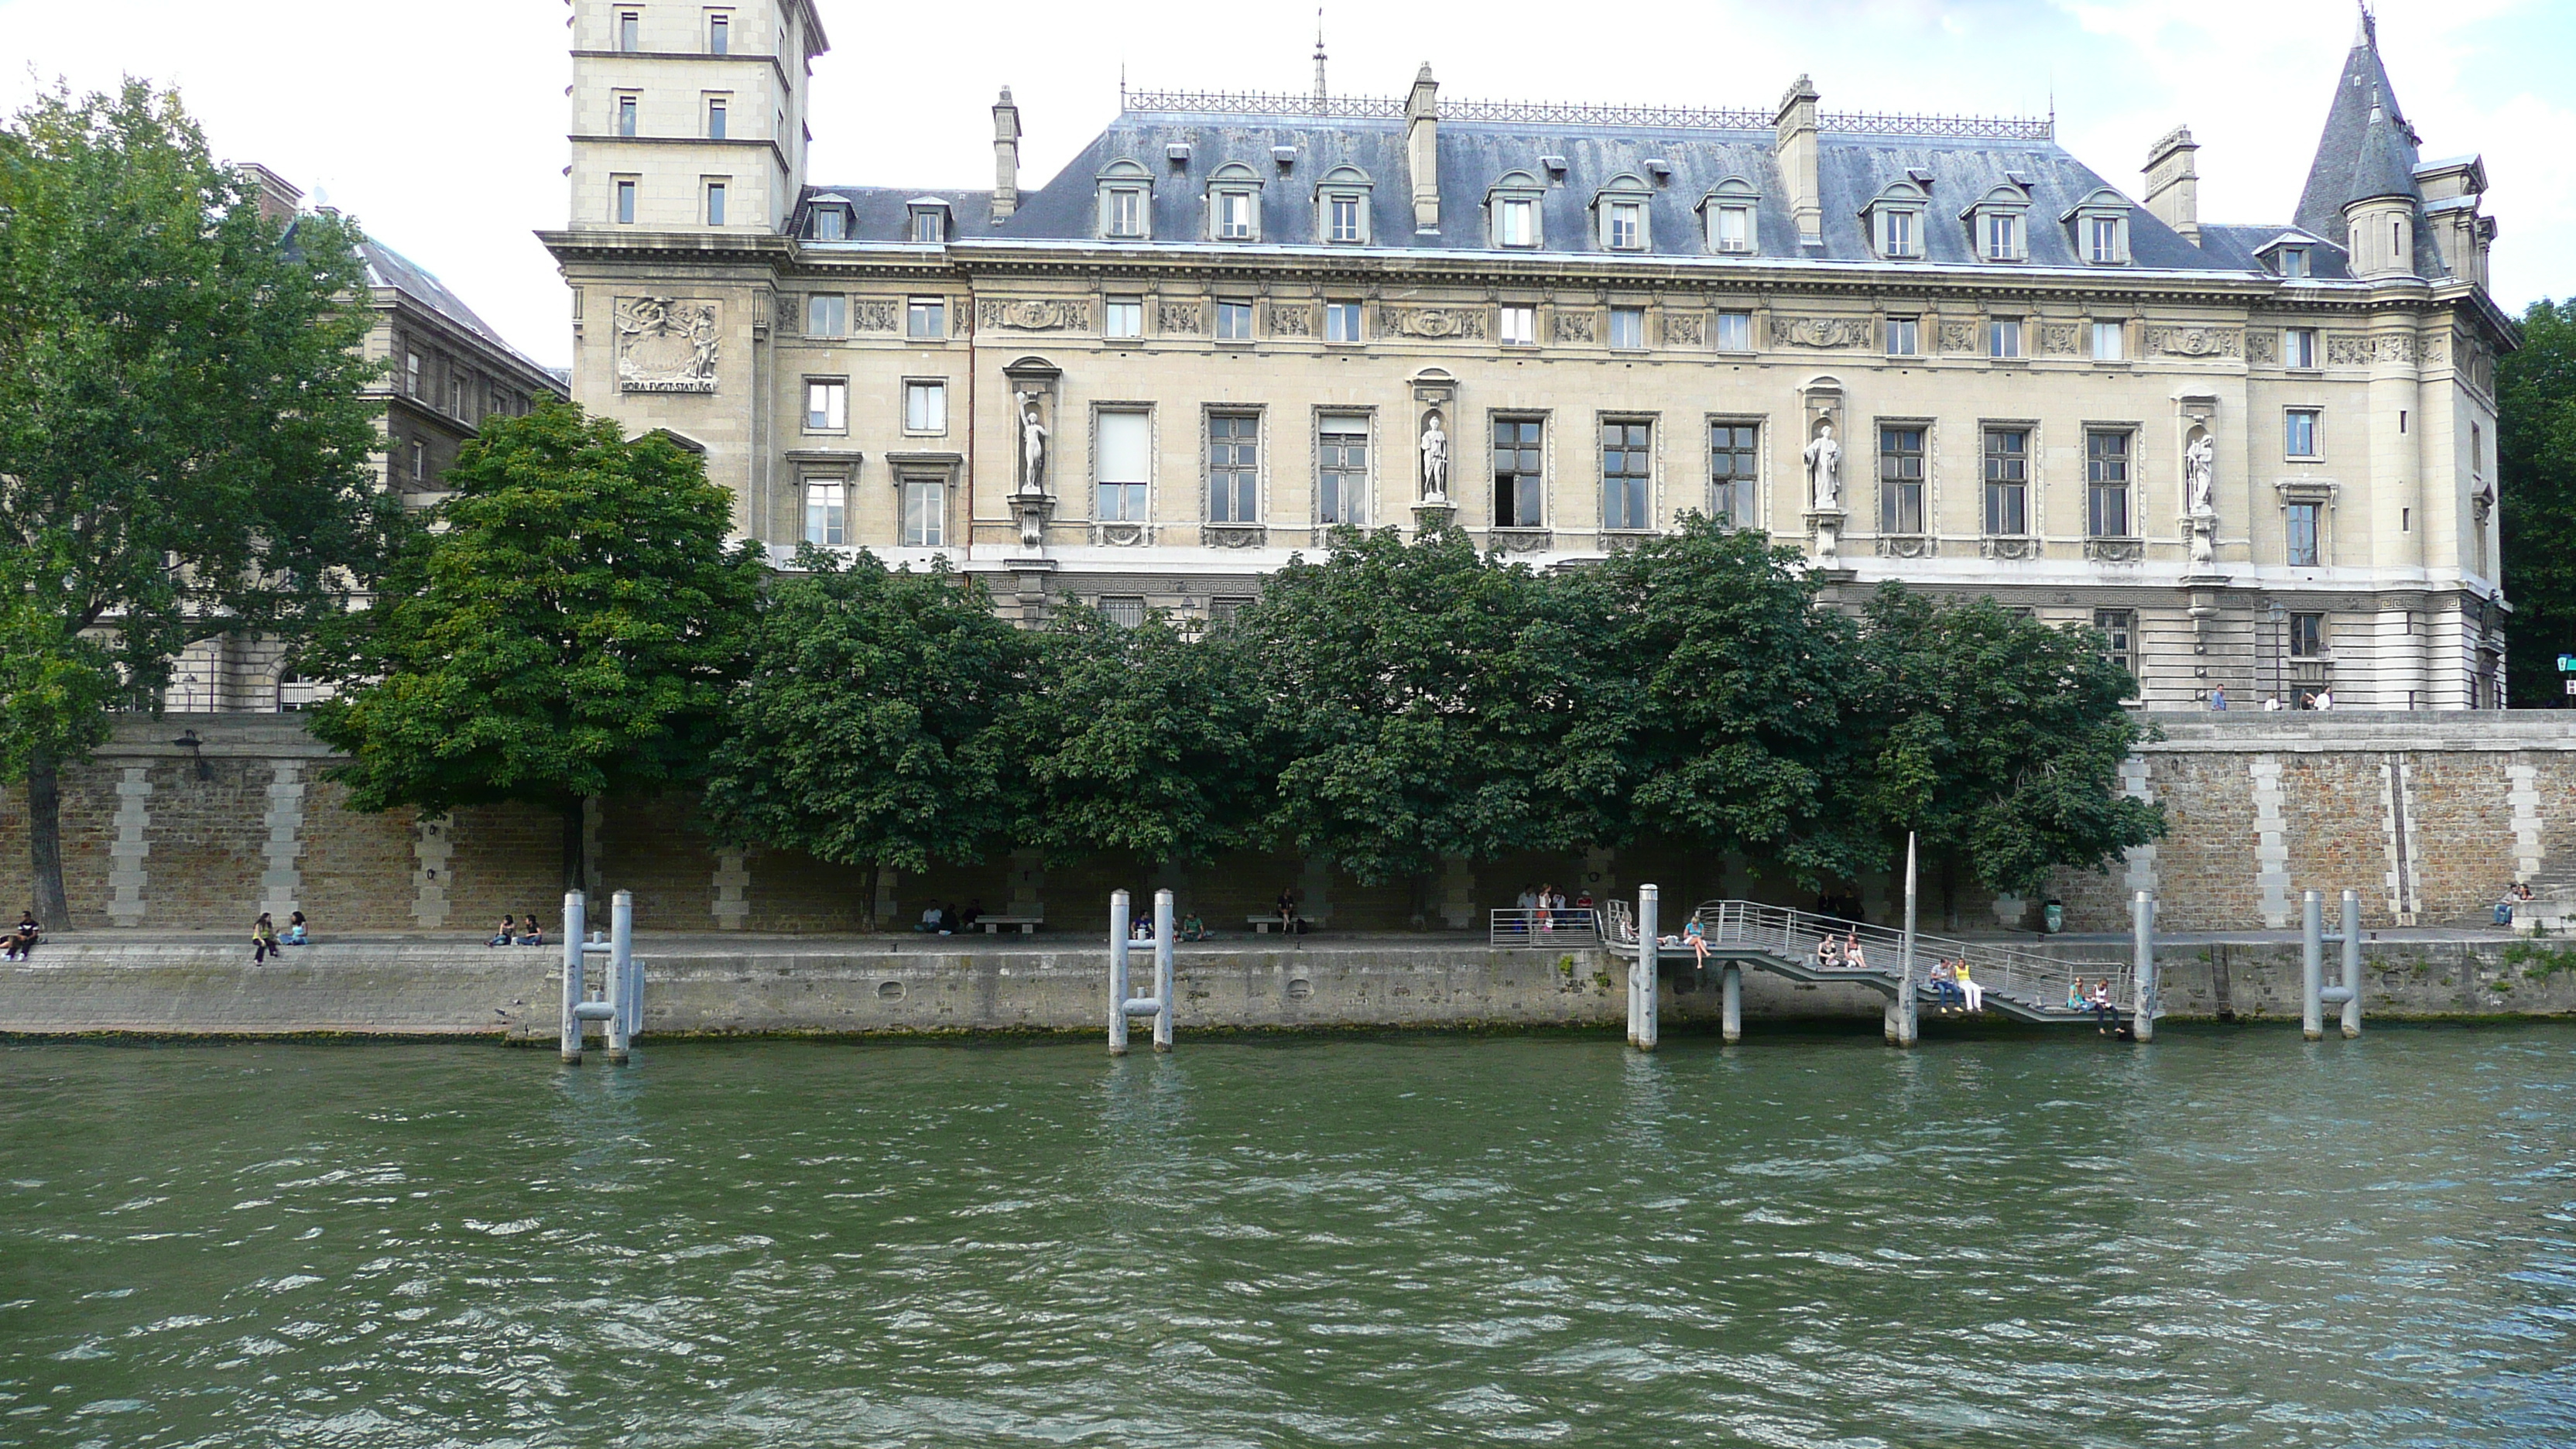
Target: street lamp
[{"x": 195, "y": 747}]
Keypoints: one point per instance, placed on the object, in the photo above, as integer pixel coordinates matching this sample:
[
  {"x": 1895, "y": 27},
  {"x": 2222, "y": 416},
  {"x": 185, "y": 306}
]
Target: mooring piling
[
  {"x": 623, "y": 1009},
  {"x": 2314, "y": 995},
  {"x": 1643, "y": 1032},
  {"x": 1121, "y": 1005},
  {"x": 2351, "y": 964},
  {"x": 2142, "y": 986},
  {"x": 1730, "y": 987},
  {"x": 573, "y": 995},
  {"x": 1904, "y": 1021}
]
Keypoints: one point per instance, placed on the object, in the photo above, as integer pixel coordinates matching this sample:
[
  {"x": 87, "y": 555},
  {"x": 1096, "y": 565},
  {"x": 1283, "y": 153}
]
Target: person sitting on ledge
[
  {"x": 295, "y": 934},
  {"x": 1829, "y": 954},
  {"x": 532, "y": 934},
  {"x": 932, "y": 923},
  {"x": 2075, "y": 995},
  {"x": 1945, "y": 988},
  {"x": 22, "y": 941},
  {"x": 1853, "y": 957},
  {"x": 1971, "y": 994},
  {"x": 974, "y": 913},
  {"x": 508, "y": 935},
  {"x": 1193, "y": 929},
  {"x": 1695, "y": 935},
  {"x": 2104, "y": 1013}
]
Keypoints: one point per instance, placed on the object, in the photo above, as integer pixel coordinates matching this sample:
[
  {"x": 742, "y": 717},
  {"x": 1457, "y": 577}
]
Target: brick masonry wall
[{"x": 2260, "y": 808}]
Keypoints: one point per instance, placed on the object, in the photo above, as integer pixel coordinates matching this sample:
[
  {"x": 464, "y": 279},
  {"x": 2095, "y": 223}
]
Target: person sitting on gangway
[
  {"x": 1695, "y": 936},
  {"x": 1973, "y": 995},
  {"x": 1829, "y": 954},
  {"x": 1945, "y": 988},
  {"x": 2075, "y": 1001},
  {"x": 2104, "y": 1013},
  {"x": 1854, "y": 959}
]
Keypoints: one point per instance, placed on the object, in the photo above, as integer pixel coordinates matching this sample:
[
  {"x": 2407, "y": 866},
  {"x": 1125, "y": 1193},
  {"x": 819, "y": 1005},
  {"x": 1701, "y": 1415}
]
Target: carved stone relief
[
  {"x": 666, "y": 344},
  {"x": 1822, "y": 332},
  {"x": 1124, "y": 535},
  {"x": 1518, "y": 540},
  {"x": 1575, "y": 326},
  {"x": 1685, "y": 329},
  {"x": 2022, "y": 548},
  {"x": 2058, "y": 339},
  {"x": 875, "y": 314},
  {"x": 2355, "y": 349},
  {"x": 2262, "y": 347},
  {"x": 1034, "y": 314},
  {"x": 1958, "y": 337},
  {"x": 1291, "y": 319},
  {"x": 1178, "y": 319},
  {"x": 787, "y": 319},
  {"x": 1233, "y": 535},
  {"x": 1904, "y": 545},
  {"x": 2436, "y": 347},
  {"x": 2196, "y": 341},
  {"x": 1432, "y": 322},
  {"x": 2115, "y": 550}
]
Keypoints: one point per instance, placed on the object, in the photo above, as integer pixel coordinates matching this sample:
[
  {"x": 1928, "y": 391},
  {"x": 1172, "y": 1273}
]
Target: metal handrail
[
  {"x": 1619, "y": 923},
  {"x": 1571, "y": 928},
  {"x": 2026, "y": 976}
]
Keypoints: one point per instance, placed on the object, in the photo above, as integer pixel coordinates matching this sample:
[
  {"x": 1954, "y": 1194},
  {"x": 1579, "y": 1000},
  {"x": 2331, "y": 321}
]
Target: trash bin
[{"x": 2053, "y": 916}]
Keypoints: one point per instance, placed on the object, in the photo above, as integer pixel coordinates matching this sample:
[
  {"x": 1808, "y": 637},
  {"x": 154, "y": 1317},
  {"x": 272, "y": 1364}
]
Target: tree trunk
[
  {"x": 574, "y": 872},
  {"x": 45, "y": 841},
  {"x": 876, "y": 893}
]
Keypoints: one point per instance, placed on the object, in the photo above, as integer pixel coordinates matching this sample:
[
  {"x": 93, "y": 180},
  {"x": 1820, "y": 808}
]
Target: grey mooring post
[
  {"x": 572, "y": 992},
  {"x": 1162, "y": 971},
  {"x": 1730, "y": 986},
  {"x": 2142, "y": 984},
  {"x": 621, "y": 965},
  {"x": 2312, "y": 950},
  {"x": 1903, "y": 1023},
  {"x": 2351, "y": 964},
  {"x": 1642, "y": 982},
  {"x": 1119, "y": 925}
]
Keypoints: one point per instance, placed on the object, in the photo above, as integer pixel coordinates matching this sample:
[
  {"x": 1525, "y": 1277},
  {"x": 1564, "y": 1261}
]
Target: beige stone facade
[{"x": 1226, "y": 360}]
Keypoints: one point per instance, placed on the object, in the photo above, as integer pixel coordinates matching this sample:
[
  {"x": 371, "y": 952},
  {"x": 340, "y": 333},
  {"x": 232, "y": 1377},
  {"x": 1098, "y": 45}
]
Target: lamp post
[{"x": 195, "y": 747}]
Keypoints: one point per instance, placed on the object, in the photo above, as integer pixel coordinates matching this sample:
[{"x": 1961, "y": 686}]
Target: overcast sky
[{"x": 441, "y": 126}]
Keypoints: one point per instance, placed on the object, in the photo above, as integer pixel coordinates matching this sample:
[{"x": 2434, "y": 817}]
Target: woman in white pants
[{"x": 1975, "y": 994}]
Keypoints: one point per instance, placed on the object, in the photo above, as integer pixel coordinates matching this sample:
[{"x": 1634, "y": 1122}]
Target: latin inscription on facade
[{"x": 666, "y": 344}]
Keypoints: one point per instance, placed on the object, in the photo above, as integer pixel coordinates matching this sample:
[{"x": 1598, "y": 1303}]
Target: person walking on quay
[
  {"x": 263, "y": 939},
  {"x": 22, "y": 941},
  {"x": 2218, "y": 699}
]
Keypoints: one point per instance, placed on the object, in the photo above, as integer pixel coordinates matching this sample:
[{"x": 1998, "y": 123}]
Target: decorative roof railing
[{"x": 1556, "y": 113}]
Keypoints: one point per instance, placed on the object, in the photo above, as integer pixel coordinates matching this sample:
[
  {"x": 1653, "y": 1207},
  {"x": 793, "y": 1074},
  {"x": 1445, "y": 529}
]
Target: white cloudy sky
[{"x": 441, "y": 125}]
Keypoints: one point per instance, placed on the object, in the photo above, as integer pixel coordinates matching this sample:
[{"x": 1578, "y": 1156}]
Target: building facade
[
  {"x": 446, "y": 370},
  {"x": 1938, "y": 350}
]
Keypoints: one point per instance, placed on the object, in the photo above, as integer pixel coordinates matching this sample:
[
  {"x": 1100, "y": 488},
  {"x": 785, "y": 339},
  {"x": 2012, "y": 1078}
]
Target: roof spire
[
  {"x": 1319, "y": 56},
  {"x": 2367, "y": 33}
]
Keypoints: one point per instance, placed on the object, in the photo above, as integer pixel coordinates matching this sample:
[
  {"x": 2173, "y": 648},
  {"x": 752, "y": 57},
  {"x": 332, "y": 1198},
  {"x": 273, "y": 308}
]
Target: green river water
[{"x": 2226, "y": 1238}]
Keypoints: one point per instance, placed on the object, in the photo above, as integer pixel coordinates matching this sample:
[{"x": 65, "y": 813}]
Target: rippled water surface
[{"x": 2227, "y": 1238}]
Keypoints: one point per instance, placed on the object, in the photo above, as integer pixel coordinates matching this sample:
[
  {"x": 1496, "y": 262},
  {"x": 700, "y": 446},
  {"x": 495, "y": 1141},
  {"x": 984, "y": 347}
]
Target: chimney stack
[
  {"x": 1795, "y": 146},
  {"x": 2173, "y": 183},
  {"x": 1006, "y": 158},
  {"x": 278, "y": 201},
  {"x": 1422, "y": 148}
]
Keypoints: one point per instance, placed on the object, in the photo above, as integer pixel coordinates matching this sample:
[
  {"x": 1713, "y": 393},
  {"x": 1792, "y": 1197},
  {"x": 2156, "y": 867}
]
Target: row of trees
[
  {"x": 2536, "y": 498},
  {"x": 577, "y": 627}
]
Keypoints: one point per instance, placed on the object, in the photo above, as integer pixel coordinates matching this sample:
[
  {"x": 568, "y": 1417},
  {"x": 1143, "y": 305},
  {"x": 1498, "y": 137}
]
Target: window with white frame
[
  {"x": 1234, "y": 468},
  {"x": 831, "y": 223},
  {"x": 2110, "y": 341},
  {"x": 1998, "y": 224},
  {"x": 827, "y": 512},
  {"x": 1904, "y": 336},
  {"x": 2292, "y": 262},
  {"x": 1123, "y": 317},
  {"x": 1234, "y": 321},
  {"x": 1735, "y": 332},
  {"x": 925, "y": 512},
  {"x": 1342, "y": 322},
  {"x": 827, "y": 315},
  {"x": 630, "y": 30},
  {"x": 1125, "y": 189},
  {"x": 2299, "y": 347},
  {"x": 1342, "y": 206},
  {"x": 2007, "y": 482},
  {"x": 2001, "y": 237},
  {"x": 1621, "y": 206},
  {"x": 623, "y": 191},
  {"x": 1512, "y": 209},
  {"x": 1627, "y": 474},
  {"x": 925, "y": 317},
  {"x": 2101, "y": 222},
  {"x": 1729, "y": 214},
  {"x": 716, "y": 109},
  {"x": 1234, "y": 203},
  {"x": 2106, "y": 484},
  {"x": 719, "y": 32},
  {"x": 1520, "y": 489},
  {"x": 716, "y": 191},
  {"x": 629, "y": 104},
  {"x": 1732, "y": 459},
  {"x": 1628, "y": 328},
  {"x": 929, "y": 225},
  {"x": 2003, "y": 337},
  {"x": 1341, "y": 482},
  {"x": 411, "y": 374},
  {"x": 1896, "y": 220},
  {"x": 925, "y": 406},
  {"x": 419, "y": 462},
  {"x": 1122, "y": 464},
  {"x": 827, "y": 405},
  {"x": 2299, "y": 434},
  {"x": 1517, "y": 325}
]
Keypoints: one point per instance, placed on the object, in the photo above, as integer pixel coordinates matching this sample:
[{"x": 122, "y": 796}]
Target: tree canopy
[
  {"x": 185, "y": 434},
  {"x": 2536, "y": 497}
]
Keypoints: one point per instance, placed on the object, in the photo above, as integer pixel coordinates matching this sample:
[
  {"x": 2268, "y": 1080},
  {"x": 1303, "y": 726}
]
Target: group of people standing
[{"x": 1548, "y": 908}]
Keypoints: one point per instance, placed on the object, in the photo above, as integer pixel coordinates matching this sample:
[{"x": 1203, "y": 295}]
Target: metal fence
[
  {"x": 2026, "y": 976},
  {"x": 1574, "y": 928}
]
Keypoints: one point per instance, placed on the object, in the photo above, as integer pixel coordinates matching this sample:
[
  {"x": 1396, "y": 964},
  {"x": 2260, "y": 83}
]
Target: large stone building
[
  {"x": 446, "y": 370},
  {"x": 1935, "y": 349}
]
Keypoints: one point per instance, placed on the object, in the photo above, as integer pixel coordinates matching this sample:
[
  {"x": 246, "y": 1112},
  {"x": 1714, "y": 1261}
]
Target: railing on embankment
[{"x": 1574, "y": 928}]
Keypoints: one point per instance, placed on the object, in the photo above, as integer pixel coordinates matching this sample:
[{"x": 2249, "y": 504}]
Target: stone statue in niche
[
  {"x": 2199, "y": 473},
  {"x": 1435, "y": 457},
  {"x": 1033, "y": 438},
  {"x": 1825, "y": 468}
]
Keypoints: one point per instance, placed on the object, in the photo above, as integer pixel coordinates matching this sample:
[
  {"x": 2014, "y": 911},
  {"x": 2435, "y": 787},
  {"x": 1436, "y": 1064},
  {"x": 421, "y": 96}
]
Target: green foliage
[
  {"x": 2536, "y": 498},
  {"x": 2537, "y": 963},
  {"x": 870, "y": 729},
  {"x": 570, "y": 628},
  {"x": 55, "y": 689}
]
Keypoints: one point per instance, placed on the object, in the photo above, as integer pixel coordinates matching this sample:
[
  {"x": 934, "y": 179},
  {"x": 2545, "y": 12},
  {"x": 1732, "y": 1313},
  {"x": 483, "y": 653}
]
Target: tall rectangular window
[
  {"x": 2110, "y": 341},
  {"x": 1518, "y": 326},
  {"x": 715, "y": 118},
  {"x": 456, "y": 395},
  {"x": 2307, "y": 636},
  {"x": 1518, "y": 224},
  {"x": 1124, "y": 465},
  {"x": 1731, "y": 229},
  {"x": 626, "y": 110},
  {"x": 827, "y": 405},
  {"x": 630, "y": 27},
  {"x": 2299, "y": 433},
  {"x": 1126, "y": 613},
  {"x": 2007, "y": 482},
  {"x": 2304, "y": 552},
  {"x": 2003, "y": 236},
  {"x": 1341, "y": 321},
  {"x": 925, "y": 513},
  {"x": 1234, "y": 321},
  {"x": 1345, "y": 218},
  {"x": 925, "y": 407},
  {"x": 411, "y": 374},
  {"x": 925, "y": 317},
  {"x": 1520, "y": 499},
  {"x": 1900, "y": 480},
  {"x": 719, "y": 34},
  {"x": 715, "y": 203},
  {"x": 2102, "y": 239},
  {"x": 831, "y": 223},
  {"x": 625, "y": 201},
  {"x": 1896, "y": 231},
  {"x": 1234, "y": 215},
  {"x": 2119, "y": 637},
  {"x": 1127, "y": 212},
  {"x": 1123, "y": 317},
  {"x": 1627, "y": 226},
  {"x": 1731, "y": 457},
  {"x": 1628, "y": 327},
  {"x": 1904, "y": 336},
  {"x": 2003, "y": 337},
  {"x": 1626, "y": 468},
  {"x": 2299, "y": 347},
  {"x": 827, "y": 315},
  {"x": 2106, "y": 484},
  {"x": 1735, "y": 332},
  {"x": 1341, "y": 451},
  {"x": 419, "y": 462},
  {"x": 826, "y": 513},
  {"x": 1234, "y": 468}
]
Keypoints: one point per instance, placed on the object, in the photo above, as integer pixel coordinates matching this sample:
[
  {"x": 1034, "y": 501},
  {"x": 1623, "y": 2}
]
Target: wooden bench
[{"x": 992, "y": 925}]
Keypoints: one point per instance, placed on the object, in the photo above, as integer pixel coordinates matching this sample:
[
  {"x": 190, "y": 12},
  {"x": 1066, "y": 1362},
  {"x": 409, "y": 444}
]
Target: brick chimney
[
  {"x": 278, "y": 201},
  {"x": 2173, "y": 183}
]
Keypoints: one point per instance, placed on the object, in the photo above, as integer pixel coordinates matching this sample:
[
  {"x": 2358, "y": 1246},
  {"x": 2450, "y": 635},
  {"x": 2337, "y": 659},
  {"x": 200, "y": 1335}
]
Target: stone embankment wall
[
  {"x": 701, "y": 987},
  {"x": 2427, "y": 814}
]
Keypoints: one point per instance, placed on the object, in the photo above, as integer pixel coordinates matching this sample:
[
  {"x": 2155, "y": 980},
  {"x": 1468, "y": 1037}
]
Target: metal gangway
[{"x": 2022, "y": 985}]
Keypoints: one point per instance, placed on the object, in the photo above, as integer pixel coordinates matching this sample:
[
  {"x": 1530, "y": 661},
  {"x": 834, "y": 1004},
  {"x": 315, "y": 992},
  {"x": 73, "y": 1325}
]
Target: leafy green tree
[
  {"x": 1995, "y": 737},
  {"x": 569, "y": 629},
  {"x": 184, "y": 431},
  {"x": 1141, "y": 741},
  {"x": 1735, "y": 729},
  {"x": 2536, "y": 498},
  {"x": 869, "y": 729},
  {"x": 1425, "y": 701}
]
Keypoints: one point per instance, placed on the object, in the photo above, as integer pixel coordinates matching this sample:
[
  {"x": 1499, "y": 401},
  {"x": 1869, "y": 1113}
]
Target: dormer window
[
  {"x": 1512, "y": 208},
  {"x": 831, "y": 222},
  {"x": 1729, "y": 216},
  {"x": 1999, "y": 223},
  {"x": 928, "y": 221},
  {"x": 1342, "y": 206},
  {"x": 1234, "y": 203},
  {"x": 2101, "y": 223},
  {"x": 1896, "y": 220},
  {"x": 2293, "y": 262},
  {"x": 1126, "y": 193},
  {"x": 1622, "y": 209}
]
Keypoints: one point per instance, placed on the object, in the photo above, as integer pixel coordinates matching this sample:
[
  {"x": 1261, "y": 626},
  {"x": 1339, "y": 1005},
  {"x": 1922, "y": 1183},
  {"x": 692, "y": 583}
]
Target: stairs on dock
[{"x": 2023, "y": 986}]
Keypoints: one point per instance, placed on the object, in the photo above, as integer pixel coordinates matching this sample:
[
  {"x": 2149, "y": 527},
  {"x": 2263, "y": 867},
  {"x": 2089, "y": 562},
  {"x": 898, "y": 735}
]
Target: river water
[{"x": 2226, "y": 1238}]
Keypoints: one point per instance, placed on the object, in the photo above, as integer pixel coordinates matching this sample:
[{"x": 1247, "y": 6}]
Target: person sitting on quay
[
  {"x": 1945, "y": 988},
  {"x": 532, "y": 934},
  {"x": 263, "y": 939},
  {"x": 1854, "y": 959},
  {"x": 1829, "y": 954},
  {"x": 508, "y": 934},
  {"x": 1194, "y": 929},
  {"x": 974, "y": 913},
  {"x": 295, "y": 932},
  {"x": 22, "y": 941},
  {"x": 1695, "y": 936},
  {"x": 2104, "y": 1013},
  {"x": 2075, "y": 1001},
  {"x": 1971, "y": 995},
  {"x": 932, "y": 923},
  {"x": 1289, "y": 922}
]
